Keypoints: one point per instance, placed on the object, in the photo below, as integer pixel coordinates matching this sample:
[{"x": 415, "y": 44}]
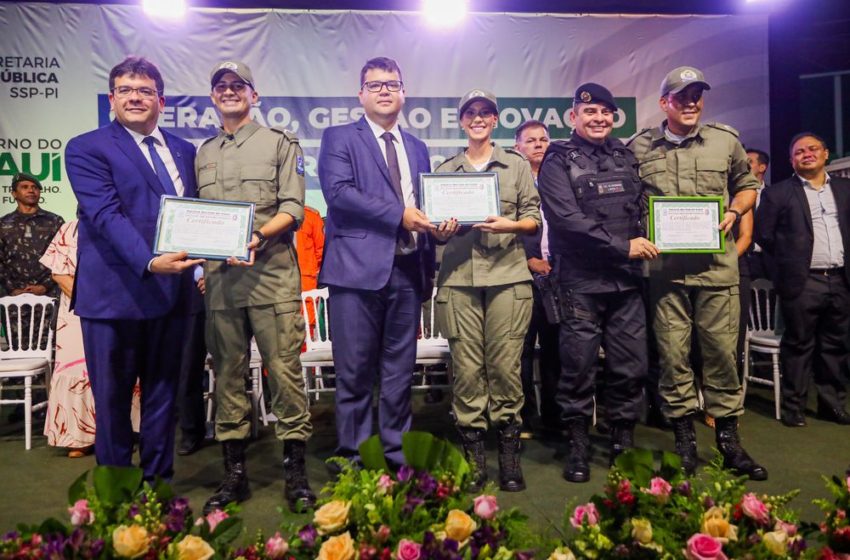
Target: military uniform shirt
[
  {"x": 709, "y": 161},
  {"x": 477, "y": 259},
  {"x": 23, "y": 240},
  {"x": 264, "y": 166}
]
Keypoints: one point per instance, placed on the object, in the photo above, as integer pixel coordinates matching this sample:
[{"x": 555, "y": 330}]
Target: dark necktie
[
  {"x": 159, "y": 167},
  {"x": 395, "y": 179}
]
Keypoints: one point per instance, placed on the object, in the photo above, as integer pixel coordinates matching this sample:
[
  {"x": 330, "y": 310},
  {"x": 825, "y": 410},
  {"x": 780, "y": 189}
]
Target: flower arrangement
[
  {"x": 419, "y": 512},
  {"x": 834, "y": 530},
  {"x": 647, "y": 513}
]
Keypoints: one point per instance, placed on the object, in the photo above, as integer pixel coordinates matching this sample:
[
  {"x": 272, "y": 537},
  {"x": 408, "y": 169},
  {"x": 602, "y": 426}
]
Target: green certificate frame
[
  {"x": 687, "y": 224},
  {"x": 469, "y": 197},
  {"x": 206, "y": 229}
]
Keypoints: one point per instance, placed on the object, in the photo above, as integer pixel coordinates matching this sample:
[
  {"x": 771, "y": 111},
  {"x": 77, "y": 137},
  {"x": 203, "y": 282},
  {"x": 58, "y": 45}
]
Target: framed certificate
[
  {"x": 206, "y": 229},
  {"x": 686, "y": 224},
  {"x": 468, "y": 197}
]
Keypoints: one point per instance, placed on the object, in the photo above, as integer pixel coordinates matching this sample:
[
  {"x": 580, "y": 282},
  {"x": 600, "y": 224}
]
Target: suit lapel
[
  {"x": 365, "y": 133},
  {"x": 126, "y": 144},
  {"x": 413, "y": 163},
  {"x": 182, "y": 165},
  {"x": 803, "y": 204}
]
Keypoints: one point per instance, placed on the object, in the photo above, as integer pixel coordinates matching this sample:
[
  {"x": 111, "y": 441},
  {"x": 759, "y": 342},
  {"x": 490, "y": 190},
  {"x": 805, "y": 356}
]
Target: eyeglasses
[
  {"x": 235, "y": 87},
  {"x": 376, "y": 86},
  {"x": 483, "y": 113},
  {"x": 127, "y": 91}
]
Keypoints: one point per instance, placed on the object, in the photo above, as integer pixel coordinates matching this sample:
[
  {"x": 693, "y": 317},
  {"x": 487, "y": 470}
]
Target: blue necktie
[{"x": 159, "y": 167}]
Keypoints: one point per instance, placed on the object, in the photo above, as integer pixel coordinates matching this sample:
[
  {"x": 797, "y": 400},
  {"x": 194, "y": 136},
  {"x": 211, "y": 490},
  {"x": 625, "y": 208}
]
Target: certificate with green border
[
  {"x": 686, "y": 224},
  {"x": 206, "y": 229},
  {"x": 469, "y": 197}
]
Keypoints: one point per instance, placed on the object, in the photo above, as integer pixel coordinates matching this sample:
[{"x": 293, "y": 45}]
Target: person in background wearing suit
[
  {"x": 134, "y": 306},
  {"x": 758, "y": 262},
  {"x": 378, "y": 261},
  {"x": 802, "y": 222}
]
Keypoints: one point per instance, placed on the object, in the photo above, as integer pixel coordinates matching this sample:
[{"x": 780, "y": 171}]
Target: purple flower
[
  {"x": 96, "y": 548},
  {"x": 684, "y": 488},
  {"x": 405, "y": 473},
  {"x": 411, "y": 503},
  {"x": 11, "y": 536},
  {"x": 427, "y": 484},
  {"x": 133, "y": 511},
  {"x": 308, "y": 535},
  {"x": 708, "y": 502}
]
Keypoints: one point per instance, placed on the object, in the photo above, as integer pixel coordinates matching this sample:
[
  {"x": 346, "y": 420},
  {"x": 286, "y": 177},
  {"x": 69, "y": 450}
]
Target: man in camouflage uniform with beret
[
  {"x": 698, "y": 292},
  {"x": 260, "y": 297},
  {"x": 25, "y": 234}
]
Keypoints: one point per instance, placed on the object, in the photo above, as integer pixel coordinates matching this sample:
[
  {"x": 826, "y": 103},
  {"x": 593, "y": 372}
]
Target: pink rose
[
  {"x": 276, "y": 547},
  {"x": 848, "y": 483},
  {"x": 215, "y": 517},
  {"x": 408, "y": 550},
  {"x": 660, "y": 488},
  {"x": 383, "y": 533},
  {"x": 81, "y": 514},
  {"x": 755, "y": 509},
  {"x": 385, "y": 483},
  {"x": 587, "y": 512},
  {"x": 789, "y": 528},
  {"x": 704, "y": 547},
  {"x": 485, "y": 507}
]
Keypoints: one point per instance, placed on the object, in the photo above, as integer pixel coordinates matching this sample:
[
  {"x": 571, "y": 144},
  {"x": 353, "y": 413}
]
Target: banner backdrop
[{"x": 55, "y": 61}]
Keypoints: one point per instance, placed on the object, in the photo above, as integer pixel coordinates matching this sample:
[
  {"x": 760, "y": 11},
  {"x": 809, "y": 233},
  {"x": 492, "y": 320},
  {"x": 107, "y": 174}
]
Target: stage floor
[{"x": 35, "y": 482}]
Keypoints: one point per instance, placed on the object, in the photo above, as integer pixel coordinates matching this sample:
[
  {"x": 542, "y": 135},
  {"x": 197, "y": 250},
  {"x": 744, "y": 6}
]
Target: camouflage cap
[
  {"x": 477, "y": 95},
  {"x": 680, "y": 78},
  {"x": 20, "y": 177},
  {"x": 594, "y": 93},
  {"x": 239, "y": 68}
]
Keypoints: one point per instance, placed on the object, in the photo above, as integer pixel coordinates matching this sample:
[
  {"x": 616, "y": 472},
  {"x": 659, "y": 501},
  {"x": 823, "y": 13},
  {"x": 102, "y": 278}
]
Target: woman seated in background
[{"x": 70, "y": 407}]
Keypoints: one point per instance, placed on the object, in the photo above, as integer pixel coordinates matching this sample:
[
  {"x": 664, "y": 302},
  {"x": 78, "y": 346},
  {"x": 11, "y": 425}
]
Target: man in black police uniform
[{"x": 591, "y": 199}]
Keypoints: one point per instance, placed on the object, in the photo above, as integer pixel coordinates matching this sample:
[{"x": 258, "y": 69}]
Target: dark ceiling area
[{"x": 805, "y": 36}]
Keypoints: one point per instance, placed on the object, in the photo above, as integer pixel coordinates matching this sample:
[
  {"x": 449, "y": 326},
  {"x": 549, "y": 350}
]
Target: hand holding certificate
[
  {"x": 686, "y": 224},
  {"x": 208, "y": 229}
]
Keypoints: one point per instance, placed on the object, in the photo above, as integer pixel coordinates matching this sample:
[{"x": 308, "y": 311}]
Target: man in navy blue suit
[
  {"x": 378, "y": 260},
  {"x": 134, "y": 306}
]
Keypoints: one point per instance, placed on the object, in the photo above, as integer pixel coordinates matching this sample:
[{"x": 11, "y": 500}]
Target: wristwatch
[
  {"x": 737, "y": 214},
  {"x": 264, "y": 240}
]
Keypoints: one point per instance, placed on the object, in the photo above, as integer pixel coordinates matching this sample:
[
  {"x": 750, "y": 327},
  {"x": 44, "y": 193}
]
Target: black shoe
[
  {"x": 190, "y": 444},
  {"x": 622, "y": 438},
  {"x": 837, "y": 415},
  {"x": 234, "y": 487},
  {"x": 793, "y": 419},
  {"x": 297, "y": 492},
  {"x": 472, "y": 440},
  {"x": 510, "y": 471},
  {"x": 735, "y": 458},
  {"x": 686, "y": 442},
  {"x": 577, "y": 468}
]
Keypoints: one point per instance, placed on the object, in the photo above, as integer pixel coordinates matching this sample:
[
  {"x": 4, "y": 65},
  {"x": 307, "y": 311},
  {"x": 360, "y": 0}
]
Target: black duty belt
[{"x": 827, "y": 271}]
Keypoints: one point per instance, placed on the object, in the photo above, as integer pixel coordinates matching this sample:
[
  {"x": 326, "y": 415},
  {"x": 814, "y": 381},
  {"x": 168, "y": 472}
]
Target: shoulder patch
[
  {"x": 724, "y": 128},
  {"x": 299, "y": 164},
  {"x": 636, "y": 134}
]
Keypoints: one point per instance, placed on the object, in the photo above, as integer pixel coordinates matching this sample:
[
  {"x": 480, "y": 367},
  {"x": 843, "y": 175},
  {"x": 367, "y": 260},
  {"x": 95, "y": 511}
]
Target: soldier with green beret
[
  {"x": 484, "y": 296},
  {"x": 260, "y": 297},
  {"x": 697, "y": 294}
]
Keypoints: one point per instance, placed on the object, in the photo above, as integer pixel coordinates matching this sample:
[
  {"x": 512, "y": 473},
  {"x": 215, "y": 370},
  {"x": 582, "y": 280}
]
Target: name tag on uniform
[{"x": 610, "y": 187}]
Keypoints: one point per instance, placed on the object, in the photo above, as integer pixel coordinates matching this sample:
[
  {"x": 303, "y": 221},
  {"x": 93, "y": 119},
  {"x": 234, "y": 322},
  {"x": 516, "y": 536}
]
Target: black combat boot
[
  {"x": 622, "y": 438},
  {"x": 297, "y": 490},
  {"x": 473, "y": 449},
  {"x": 578, "y": 468},
  {"x": 734, "y": 457},
  {"x": 234, "y": 487},
  {"x": 510, "y": 471},
  {"x": 686, "y": 442}
]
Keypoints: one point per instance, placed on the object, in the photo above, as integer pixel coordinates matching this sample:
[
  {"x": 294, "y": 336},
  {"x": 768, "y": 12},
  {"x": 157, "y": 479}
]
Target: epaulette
[
  {"x": 287, "y": 133},
  {"x": 514, "y": 151},
  {"x": 560, "y": 146},
  {"x": 636, "y": 134},
  {"x": 724, "y": 128},
  {"x": 208, "y": 140}
]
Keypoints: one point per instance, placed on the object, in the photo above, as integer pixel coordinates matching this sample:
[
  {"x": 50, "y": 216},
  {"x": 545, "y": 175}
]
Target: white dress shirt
[{"x": 164, "y": 153}]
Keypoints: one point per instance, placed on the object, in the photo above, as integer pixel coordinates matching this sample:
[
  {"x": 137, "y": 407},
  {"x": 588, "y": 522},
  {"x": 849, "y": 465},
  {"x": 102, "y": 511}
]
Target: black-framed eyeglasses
[
  {"x": 235, "y": 87},
  {"x": 127, "y": 91},
  {"x": 377, "y": 86}
]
